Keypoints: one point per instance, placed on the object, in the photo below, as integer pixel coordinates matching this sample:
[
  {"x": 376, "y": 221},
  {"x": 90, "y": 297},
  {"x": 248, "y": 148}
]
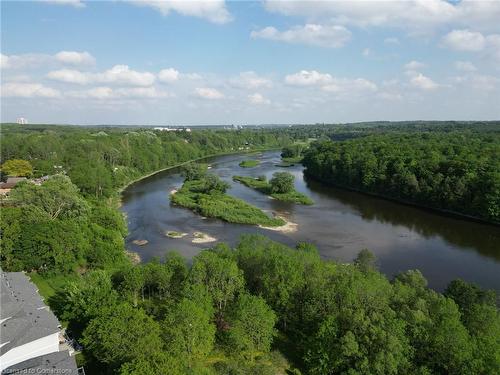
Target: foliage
[
  {"x": 282, "y": 182},
  {"x": 263, "y": 186},
  {"x": 249, "y": 163},
  {"x": 207, "y": 197},
  {"x": 17, "y": 167},
  {"x": 456, "y": 171}
]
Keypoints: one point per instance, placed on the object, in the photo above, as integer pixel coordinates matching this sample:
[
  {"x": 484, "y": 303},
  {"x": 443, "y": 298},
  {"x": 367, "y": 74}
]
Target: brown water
[{"x": 340, "y": 224}]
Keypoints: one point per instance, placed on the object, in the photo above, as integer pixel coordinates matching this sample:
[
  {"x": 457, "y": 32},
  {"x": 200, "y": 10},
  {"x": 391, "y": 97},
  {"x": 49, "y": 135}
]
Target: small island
[
  {"x": 249, "y": 163},
  {"x": 205, "y": 193},
  {"x": 280, "y": 187}
]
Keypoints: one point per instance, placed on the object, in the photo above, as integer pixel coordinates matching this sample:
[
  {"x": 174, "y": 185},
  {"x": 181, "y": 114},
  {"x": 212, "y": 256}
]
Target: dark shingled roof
[
  {"x": 27, "y": 317},
  {"x": 53, "y": 363}
]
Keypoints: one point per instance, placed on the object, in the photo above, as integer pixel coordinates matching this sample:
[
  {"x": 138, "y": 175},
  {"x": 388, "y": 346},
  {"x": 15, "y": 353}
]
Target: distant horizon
[{"x": 246, "y": 124}]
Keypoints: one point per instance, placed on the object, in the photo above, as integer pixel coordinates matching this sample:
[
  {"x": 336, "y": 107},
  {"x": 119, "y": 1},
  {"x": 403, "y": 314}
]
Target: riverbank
[{"x": 239, "y": 152}]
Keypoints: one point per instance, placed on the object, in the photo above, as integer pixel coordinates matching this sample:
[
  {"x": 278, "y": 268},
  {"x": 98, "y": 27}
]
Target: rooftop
[{"x": 53, "y": 363}]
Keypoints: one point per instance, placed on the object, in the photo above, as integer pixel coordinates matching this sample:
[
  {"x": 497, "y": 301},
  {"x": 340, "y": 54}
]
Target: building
[
  {"x": 22, "y": 121},
  {"x": 30, "y": 334},
  {"x": 6, "y": 187}
]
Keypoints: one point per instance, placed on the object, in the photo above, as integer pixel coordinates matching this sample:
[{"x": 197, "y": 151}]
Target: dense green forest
[
  {"x": 259, "y": 307},
  {"x": 100, "y": 160},
  {"x": 457, "y": 170}
]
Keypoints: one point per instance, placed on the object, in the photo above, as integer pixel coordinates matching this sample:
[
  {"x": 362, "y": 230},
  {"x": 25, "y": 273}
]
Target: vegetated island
[
  {"x": 249, "y": 163},
  {"x": 293, "y": 154},
  {"x": 205, "y": 193},
  {"x": 280, "y": 187}
]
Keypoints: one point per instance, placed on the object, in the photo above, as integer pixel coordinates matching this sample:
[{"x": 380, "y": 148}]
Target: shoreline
[
  {"x": 434, "y": 210},
  {"x": 239, "y": 152}
]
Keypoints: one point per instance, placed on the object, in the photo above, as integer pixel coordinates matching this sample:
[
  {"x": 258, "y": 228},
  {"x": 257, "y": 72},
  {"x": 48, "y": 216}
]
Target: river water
[{"x": 340, "y": 224}]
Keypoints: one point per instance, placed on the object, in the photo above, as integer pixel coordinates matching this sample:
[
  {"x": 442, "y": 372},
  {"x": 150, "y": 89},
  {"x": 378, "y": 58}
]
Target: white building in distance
[{"x": 22, "y": 121}]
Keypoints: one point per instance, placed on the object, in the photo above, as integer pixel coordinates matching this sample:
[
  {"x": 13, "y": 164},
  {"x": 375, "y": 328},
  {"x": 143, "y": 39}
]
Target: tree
[
  {"x": 17, "y": 167},
  {"x": 213, "y": 184},
  {"x": 188, "y": 332},
  {"x": 221, "y": 276},
  {"x": 282, "y": 182},
  {"x": 365, "y": 261},
  {"x": 194, "y": 171},
  {"x": 251, "y": 326},
  {"x": 120, "y": 334},
  {"x": 57, "y": 197}
]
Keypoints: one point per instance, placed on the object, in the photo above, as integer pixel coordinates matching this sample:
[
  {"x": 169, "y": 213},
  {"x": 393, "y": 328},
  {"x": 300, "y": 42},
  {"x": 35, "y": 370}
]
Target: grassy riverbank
[
  {"x": 265, "y": 187},
  {"x": 216, "y": 204}
]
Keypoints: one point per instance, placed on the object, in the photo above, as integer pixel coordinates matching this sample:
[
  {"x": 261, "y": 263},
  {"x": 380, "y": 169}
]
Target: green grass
[
  {"x": 48, "y": 286},
  {"x": 249, "y": 163},
  {"x": 221, "y": 206},
  {"x": 265, "y": 188}
]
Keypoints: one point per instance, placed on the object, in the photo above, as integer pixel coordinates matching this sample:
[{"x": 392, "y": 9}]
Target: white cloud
[
  {"x": 473, "y": 41},
  {"x": 424, "y": 83},
  {"x": 258, "y": 99},
  {"x": 69, "y": 76},
  {"x": 308, "y": 78},
  {"x": 414, "y": 65},
  {"x": 208, "y": 93},
  {"x": 250, "y": 80},
  {"x": 464, "y": 40},
  {"x": 309, "y": 34},
  {"x": 366, "y": 52},
  {"x": 416, "y": 16},
  {"x": 73, "y": 3},
  {"x": 212, "y": 10},
  {"x": 75, "y": 58},
  {"x": 118, "y": 74},
  {"x": 28, "y": 90},
  {"x": 465, "y": 66},
  {"x": 122, "y": 74},
  {"x": 103, "y": 92},
  {"x": 168, "y": 75},
  {"x": 350, "y": 86},
  {"x": 33, "y": 60},
  {"x": 344, "y": 87}
]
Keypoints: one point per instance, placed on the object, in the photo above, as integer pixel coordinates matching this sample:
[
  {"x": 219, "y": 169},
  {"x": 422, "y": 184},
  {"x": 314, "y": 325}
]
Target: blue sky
[{"x": 216, "y": 62}]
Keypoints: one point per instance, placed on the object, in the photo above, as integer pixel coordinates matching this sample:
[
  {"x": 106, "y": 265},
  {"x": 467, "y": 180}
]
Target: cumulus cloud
[
  {"x": 309, "y": 34},
  {"x": 75, "y": 58},
  {"x": 168, "y": 75},
  {"x": 416, "y": 16},
  {"x": 414, "y": 65},
  {"x": 342, "y": 87},
  {"x": 69, "y": 76},
  {"x": 345, "y": 85},
  {"x": 28, "y": 90},
  {"x": 118, "y": 74},
  {"x": 308, "y": 78},
  {"x": 250, "y": 80},
  {"x": 212, "y": 10},
  {"x": 465, "y": 66},
  {"x": 464, "y": 40},
  {"x": 104, "y": 92},
  {"x": 423, "y": 82},
  {"x": 33, "y": 60},
  {"x": 208, "y": 93},
  {"x": 258, "y": 99}
]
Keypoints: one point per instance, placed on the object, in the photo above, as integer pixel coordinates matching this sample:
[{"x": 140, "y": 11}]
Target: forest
[
  {"x": 456, "y": 171},
  {"x": 258, "y": 306}
]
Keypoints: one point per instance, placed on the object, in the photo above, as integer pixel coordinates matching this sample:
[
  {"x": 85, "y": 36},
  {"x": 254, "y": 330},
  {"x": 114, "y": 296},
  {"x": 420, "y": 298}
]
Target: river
[{"x": 340, "y": 224}]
